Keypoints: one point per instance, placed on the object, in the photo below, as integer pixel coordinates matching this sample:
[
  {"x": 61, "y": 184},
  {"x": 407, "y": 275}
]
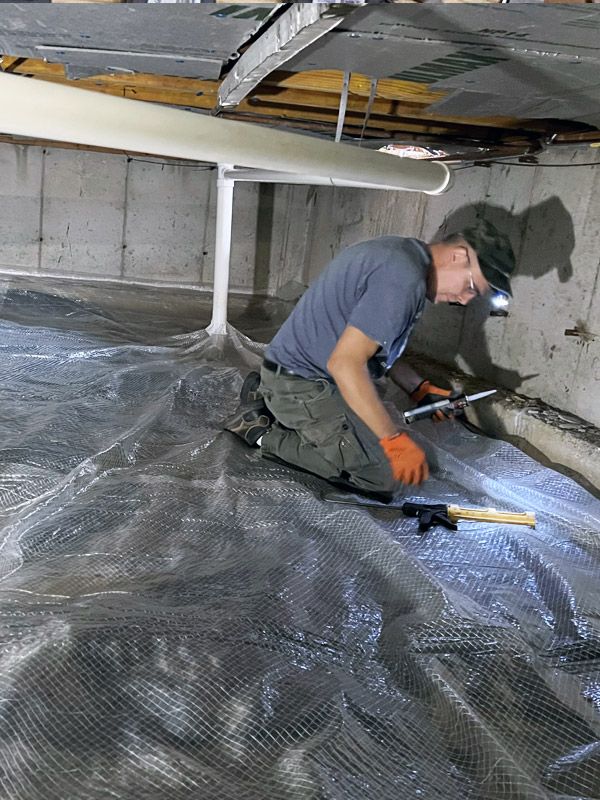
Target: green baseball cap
[{"x": 494, "y": 253}]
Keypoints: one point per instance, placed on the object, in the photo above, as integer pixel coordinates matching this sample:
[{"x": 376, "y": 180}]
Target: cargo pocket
[
  {"x": 324, "y": 402},
  {"x": 354, "y": 453},
  {"x": 364, "y": 460},
  {"x": 325, "y": 415}
]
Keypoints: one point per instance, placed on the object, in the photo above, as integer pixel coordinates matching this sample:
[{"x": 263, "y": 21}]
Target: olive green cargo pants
[{"x": 317, "y": 431}]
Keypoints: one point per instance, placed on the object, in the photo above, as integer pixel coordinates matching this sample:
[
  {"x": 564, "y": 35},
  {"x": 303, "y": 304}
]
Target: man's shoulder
[
  {"x": 386, "y": 241},
  {"x": 396, "y": 255},
  {"x": 402, "y": 246}
]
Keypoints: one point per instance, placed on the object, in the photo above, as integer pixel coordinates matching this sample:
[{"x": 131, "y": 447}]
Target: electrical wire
[
  {"x": 581, "y": 164},
  {"x": 517, "y": 164},
  {"x": 470, "y": 426}
]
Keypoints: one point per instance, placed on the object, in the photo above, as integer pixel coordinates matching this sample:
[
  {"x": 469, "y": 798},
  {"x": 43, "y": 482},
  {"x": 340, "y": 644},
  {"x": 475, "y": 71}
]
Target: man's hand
[
  {"x": 407, "y": 460},
  {"x": 426, "y": 393}
]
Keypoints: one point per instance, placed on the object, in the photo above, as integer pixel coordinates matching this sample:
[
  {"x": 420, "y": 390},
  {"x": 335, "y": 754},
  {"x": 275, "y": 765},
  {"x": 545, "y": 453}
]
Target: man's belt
[{"x": 278, "y": 369}]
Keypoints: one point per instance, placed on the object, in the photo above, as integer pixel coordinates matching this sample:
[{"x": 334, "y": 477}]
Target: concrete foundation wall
[
  {"x": 75, "y": 213},
  {"x": 84, "y": 214}
]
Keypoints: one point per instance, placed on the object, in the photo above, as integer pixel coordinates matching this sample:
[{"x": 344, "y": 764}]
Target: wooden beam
[
  {"x": 290, "y": 98},
  {"x": 578, "y": 137},
  {"x": 331, "y": 81}
]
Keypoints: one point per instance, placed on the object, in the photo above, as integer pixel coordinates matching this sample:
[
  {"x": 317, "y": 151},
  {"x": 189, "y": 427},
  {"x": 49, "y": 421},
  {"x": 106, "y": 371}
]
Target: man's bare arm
[{"x": 348, "y": 367}]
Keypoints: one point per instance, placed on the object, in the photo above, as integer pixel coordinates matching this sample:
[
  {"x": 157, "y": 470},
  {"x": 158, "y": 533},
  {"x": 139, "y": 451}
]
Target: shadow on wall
[{"x": 543, "y": 239}]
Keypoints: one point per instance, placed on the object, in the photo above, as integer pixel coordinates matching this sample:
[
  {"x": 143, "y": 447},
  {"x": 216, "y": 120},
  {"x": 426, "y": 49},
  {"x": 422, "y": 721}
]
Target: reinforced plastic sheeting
[{"x": 180, "y": 618}]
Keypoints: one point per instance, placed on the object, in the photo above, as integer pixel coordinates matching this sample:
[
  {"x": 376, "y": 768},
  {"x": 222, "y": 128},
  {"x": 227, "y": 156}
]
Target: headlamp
[{"x": 499, "y": 302}]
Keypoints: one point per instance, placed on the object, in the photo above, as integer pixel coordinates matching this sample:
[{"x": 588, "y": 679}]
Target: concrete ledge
[{"x": 556, "y": 438}]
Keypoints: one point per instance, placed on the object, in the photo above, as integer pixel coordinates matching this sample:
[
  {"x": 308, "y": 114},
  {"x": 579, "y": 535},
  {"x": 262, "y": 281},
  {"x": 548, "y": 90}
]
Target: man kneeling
[{"x": 315, "y": 405}]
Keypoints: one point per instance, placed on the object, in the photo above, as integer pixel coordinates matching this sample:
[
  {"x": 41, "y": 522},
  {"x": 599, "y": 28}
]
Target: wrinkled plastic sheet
[{"x": 180, "y": 618}]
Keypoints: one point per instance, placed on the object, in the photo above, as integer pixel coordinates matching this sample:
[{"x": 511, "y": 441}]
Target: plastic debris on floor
[{"x": 180, "y": 618}]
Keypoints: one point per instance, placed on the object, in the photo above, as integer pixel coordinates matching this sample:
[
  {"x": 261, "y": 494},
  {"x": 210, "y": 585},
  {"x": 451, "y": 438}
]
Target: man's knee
[{"x": 374, "y": 477}]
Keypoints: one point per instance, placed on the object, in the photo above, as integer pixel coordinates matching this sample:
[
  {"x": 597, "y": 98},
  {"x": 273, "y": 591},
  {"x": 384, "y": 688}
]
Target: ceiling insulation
[
  {"x": 527, "y": 60},
  {"x": 505, "y": 77},
  {"x": 181, "y": 40}
]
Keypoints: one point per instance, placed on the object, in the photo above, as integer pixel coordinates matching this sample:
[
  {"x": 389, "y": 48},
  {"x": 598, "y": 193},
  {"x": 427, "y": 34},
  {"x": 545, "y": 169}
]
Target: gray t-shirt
[{"x": 377, "y": 286}]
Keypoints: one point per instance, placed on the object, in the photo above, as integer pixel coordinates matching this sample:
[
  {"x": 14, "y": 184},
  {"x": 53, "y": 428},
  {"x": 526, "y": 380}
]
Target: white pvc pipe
[
  {"x": 225, "y": 186},
  {"x": 268, "y": 176},
  {"x": 45, "y": 110}
]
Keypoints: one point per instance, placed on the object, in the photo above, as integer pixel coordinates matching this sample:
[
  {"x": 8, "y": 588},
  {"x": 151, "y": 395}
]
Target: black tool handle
[
  {"x": 429, "y": 514},
  {"x": 416, "y": 509}
]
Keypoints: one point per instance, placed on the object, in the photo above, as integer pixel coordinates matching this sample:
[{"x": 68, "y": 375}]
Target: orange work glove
[
  {"x": 426, "y": 393},
  {"x": 407, "y": 460}
]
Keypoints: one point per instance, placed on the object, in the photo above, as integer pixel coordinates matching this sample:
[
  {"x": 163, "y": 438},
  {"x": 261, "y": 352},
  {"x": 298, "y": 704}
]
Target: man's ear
[{"x": 459, "y": 254}]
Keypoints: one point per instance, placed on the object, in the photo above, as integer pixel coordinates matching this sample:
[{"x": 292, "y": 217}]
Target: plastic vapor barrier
[{"x": 180, "y": 618}]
